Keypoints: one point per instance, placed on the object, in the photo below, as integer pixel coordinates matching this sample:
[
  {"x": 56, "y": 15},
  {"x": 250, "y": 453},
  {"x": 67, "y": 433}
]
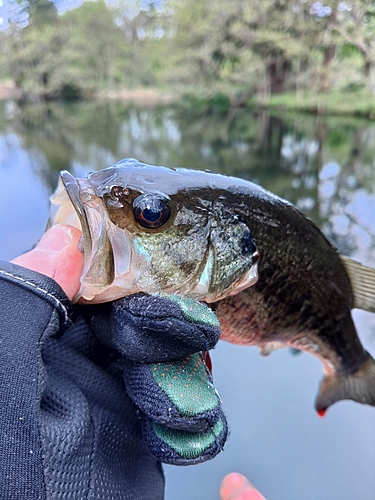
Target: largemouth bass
[{"x": 200, "y": 234}]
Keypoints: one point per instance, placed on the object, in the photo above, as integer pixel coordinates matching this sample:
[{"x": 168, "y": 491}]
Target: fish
[
  {"x": 148, "y": 229},
  {"x": 289, "y": 288}
]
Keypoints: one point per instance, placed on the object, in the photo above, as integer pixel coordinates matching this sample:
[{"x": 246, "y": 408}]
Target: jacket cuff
[{"x": 13, "y": 275}]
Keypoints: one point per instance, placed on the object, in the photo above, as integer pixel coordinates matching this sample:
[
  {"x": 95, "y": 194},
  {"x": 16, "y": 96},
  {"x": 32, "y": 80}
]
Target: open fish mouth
[
  {"x": 107, "y": 253},
  {"x": 73, "y": 190},
  {"x": 153, "y": 240}
]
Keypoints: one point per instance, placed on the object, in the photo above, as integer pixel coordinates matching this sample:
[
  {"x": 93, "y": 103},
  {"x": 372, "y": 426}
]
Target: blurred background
[{"x": 277, "y": 92}]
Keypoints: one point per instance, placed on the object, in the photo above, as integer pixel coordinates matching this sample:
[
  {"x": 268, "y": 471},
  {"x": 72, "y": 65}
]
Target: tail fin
[{"x": 358, "y": 386}]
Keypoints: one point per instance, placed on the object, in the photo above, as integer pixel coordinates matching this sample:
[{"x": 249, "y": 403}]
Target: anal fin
[{"x": 266, "y": 349}]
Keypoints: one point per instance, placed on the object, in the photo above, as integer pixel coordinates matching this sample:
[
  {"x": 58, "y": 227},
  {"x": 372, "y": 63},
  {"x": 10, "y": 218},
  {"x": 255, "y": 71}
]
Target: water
[{"x": 326, "y": 168}]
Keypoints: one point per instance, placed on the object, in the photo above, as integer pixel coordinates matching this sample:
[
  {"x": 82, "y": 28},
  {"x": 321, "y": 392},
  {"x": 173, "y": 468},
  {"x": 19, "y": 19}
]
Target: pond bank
[
  {"x": 143, "y": 97},
  {"x": 357, "y": 103}
]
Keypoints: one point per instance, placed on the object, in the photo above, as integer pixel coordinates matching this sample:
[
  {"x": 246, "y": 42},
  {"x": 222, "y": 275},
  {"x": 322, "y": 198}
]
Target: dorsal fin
[{"x": 362, "y": 279}]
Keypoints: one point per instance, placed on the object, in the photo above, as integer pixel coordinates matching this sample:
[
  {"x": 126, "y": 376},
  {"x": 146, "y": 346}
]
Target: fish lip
[
  {"x": 88, "y": 206},
  {"x": 73, "y": 189}
]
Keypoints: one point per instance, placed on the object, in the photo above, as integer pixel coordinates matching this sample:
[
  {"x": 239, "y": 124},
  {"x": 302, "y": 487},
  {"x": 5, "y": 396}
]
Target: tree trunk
[
  {"x": 278, "y": 71},
  {"x": 368, "y": 70},
  {"x": 325, "y": 81}
]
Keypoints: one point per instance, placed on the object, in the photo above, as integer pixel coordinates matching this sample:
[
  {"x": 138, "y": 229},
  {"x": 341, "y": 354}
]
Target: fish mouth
[
  {"x": 72, "y": 188},
  {"x": 99, "y": 269},
  {"x": 107, "y": 272}
]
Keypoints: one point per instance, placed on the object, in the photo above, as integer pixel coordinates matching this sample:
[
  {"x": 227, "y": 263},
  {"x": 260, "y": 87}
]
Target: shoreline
[
  {"x": 147, "y": 97},
  {"x": 357, "y": 104}
]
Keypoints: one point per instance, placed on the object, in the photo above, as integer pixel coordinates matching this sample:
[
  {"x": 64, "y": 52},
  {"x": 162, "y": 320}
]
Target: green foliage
[
  {"x": 226, "y": 53},
  {"x": 76, "y": 54},
  {"x": 92, "y": 48},
  {"x": 42, "y": 12}
]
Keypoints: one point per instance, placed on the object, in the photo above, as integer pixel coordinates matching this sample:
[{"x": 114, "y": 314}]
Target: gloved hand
[
  {"x": 161, "y": 339},
  {"x": 68, "y": 426}
]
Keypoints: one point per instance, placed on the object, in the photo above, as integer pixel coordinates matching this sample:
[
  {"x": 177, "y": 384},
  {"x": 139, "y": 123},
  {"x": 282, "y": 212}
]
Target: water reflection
[
  {"x": 325, "y": 167},
  {"x": 319, "y": 165}
]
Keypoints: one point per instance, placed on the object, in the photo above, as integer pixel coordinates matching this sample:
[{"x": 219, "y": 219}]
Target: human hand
[
  {"x": 235, "y": 486},
  {"x": 66, "y": 356},
  {"x": 68, "y": 427},
  {"x": 133, "y": 326},
  {"x": 56, "y": 255}
]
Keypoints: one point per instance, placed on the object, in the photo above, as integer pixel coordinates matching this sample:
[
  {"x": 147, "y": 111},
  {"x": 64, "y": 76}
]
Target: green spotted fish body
[{"x": 199, "y": 234}]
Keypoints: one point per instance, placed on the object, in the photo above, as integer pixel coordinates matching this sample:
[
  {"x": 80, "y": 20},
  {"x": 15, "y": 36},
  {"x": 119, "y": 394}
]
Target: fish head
[{"x": 156, "y": 230}]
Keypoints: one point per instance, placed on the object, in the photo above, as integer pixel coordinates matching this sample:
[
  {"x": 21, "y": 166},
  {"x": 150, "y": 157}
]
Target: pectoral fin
[{"x": 362, "y": 279}]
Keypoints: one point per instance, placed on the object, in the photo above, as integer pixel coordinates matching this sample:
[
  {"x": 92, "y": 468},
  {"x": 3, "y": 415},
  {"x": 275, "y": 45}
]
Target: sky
[{"x": 9, "y": 9}]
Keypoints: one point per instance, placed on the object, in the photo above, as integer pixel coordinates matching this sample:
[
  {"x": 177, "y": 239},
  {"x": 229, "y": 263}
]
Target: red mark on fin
[{"x": 322, "y": 412}]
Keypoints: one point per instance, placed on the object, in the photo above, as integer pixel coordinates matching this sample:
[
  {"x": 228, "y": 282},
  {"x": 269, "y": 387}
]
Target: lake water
[{"x": 324, "y": 166}]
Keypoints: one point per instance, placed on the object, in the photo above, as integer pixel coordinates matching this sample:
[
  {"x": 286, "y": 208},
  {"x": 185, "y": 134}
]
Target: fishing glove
[
  {"x": 163, "y": 340},
  {"x": 68, "y": 426}
]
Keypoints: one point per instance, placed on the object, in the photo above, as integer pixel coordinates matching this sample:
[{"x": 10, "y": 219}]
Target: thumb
[
  {"x": 57, "y": 256},
  {"x": 236, "y": 487}
]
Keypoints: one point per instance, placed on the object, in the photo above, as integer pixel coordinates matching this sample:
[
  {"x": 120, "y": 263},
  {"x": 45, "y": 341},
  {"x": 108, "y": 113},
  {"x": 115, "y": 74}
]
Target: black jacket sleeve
[{"x": 67, "y": 426}]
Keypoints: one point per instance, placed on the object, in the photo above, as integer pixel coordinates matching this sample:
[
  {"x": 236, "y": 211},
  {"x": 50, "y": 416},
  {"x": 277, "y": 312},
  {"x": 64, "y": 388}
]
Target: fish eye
[{"x": 151, "y": 211}]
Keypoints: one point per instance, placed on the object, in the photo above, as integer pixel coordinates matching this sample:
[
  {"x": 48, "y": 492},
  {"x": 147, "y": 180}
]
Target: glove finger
[
  {"x": 181, "y": 447},
  {"x": 149, "y": 329},
  {"x": 179, "y": 394}
]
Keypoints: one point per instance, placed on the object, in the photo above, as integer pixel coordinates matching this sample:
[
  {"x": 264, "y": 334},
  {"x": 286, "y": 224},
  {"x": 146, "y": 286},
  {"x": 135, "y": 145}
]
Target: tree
[
  {"x": 147, "y": 27},
  {"x": 41, "y": 12},
  {"x": 234, "y": 48},
  {"x": 69, "y": 55},
  {"x": 218, "y": 40},
  {"x": 206, "y": 51},
  {"x": 355, "y": 22},
  {"x": 94, "y": 45}
]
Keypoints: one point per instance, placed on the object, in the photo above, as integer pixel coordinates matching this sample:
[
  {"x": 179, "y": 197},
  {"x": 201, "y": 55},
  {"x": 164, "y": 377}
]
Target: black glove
[
  {"x": 163, "y": 340},
  {"x": 68, "y": 426}
]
